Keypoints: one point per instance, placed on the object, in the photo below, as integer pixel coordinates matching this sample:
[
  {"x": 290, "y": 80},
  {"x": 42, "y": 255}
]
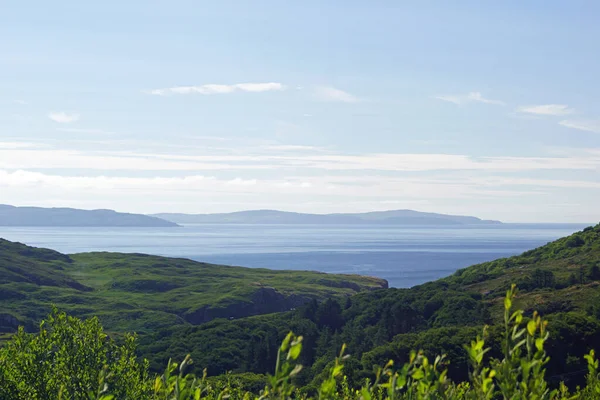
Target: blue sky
[{"x": 484, "y": 108}]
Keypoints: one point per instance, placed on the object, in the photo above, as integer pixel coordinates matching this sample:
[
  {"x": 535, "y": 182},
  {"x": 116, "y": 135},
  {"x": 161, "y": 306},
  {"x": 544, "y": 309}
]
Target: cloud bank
[{"x": 209, "y": 89}]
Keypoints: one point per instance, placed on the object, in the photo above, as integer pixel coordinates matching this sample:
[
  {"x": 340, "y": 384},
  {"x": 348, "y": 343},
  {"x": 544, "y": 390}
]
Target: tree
[
  {"x": 309, "y": 310},
  {"x": 572, "y": 279},
  {"x": 72, "y": 358},
  {"x": 594, "y": 272},
  {"x": 542, "y": 279},
  {"x": 574, "y": 241},
  {"x": 330, "y": 314}
]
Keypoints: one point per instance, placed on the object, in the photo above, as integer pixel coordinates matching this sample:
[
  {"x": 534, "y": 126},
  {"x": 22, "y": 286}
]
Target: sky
[{"x": 484, "y": 108}]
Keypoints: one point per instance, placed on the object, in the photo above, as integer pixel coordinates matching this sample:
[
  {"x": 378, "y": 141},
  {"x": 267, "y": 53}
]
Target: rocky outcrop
[
  {"x": 378, "y": 283},
  {"x": 265, "y": 300}
]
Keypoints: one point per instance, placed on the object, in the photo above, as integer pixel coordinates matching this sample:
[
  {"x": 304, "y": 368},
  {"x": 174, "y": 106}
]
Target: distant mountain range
[
  {"x": 37, "y": 216},
  {"x": 397, "y": 217}
]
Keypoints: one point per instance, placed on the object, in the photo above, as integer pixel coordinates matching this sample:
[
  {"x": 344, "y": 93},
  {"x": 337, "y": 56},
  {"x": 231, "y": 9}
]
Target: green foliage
[
  {"x": 522, "y": 371},
  {"x": 74, "y": 359},
  {"x": 70, "y": 359},
  {"x": 142, "y": 293},
  {"x": 562, "y": 257},
  {"x": 539, "y": 279},
  {"x": 369, "y": 320},
  {"x": 167, "y": 302}
]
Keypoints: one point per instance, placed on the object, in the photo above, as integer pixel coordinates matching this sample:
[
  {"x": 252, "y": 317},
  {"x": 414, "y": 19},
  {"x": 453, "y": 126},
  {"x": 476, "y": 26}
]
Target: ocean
[{"x": 404, "y": 255}]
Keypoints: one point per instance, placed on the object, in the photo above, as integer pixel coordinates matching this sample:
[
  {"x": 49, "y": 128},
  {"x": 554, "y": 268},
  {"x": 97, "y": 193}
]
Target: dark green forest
[{"x": 73, "y": 359}]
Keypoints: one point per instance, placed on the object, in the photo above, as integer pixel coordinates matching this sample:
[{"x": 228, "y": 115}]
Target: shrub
[
  {"x": 73, "y": 359},
  {"x": 70, "y": 359}
]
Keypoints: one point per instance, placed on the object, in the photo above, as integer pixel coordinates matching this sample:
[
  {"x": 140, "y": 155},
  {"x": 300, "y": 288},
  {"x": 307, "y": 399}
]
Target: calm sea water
[{"x": 405, "y": 256}]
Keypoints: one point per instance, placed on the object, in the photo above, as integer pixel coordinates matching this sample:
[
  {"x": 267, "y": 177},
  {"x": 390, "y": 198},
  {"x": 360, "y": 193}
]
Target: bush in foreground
[{"x": 74, "y": 359}]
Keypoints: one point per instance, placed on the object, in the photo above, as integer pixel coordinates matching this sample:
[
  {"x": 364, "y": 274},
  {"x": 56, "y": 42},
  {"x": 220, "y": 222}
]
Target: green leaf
[
  {"x": 296, "y": 370},
  {"x": 286, "y": 342},
  {"x": 507, "y": 303},
  {"x": 294, "y": 352},
  {"x": 539, "y": 344},
  {"x": 531, "y": 327},
  {"x": 418, "y": 374}
]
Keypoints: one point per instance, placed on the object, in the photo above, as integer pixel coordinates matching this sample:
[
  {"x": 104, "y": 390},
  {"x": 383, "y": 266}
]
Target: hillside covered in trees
[
  {"x": 560, "y": 280},
  {"x": 73, "y": 359}
]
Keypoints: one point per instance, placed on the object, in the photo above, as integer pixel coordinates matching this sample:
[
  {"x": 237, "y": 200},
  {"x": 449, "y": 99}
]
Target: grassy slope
[
  {"x": 565, "y": 258},
  {"x": 135, "y": 292}
]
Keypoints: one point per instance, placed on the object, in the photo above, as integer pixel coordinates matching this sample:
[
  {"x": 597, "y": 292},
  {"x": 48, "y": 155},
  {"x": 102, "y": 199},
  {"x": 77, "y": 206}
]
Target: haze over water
[{"x": 405, "y": 256}]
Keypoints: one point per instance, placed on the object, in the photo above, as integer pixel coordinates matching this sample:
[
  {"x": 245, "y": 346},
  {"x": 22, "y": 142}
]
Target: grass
[
  {"x": 565, "y": 258},
  {"x": 137, "y": 292}
]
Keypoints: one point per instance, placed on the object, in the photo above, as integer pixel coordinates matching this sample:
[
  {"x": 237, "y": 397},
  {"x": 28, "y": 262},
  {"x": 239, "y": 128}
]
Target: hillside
[
  {"x": 558, "y": 279},
  {"x": 37, "y": 216},
  {"x": 137, "y": 292},
  {"x": 176, "y": 305},
  {"x": 397, "y": 217},
  {"x": 561, "y": 275}
]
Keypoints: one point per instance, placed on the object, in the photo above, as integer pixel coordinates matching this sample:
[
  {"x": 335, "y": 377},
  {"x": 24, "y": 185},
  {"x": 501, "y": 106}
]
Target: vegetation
[
  {"x": 74, "y": 359},
  {"x": 165, "y": 301},
  {"x": 137, "y": 292},
  {"x": 435, "y": 317}
]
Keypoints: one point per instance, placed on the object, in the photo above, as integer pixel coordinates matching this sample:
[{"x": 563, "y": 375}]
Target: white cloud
[
  {"x": 461, "y": 192},
  {"x": 451, "y": 99},
  {"x": 555, "y": 183},
  {"x": 125, "y": 184},
  {"x": 85, "y": 131},
  {"x": 469, "y": 97},
  {"x": 21, "y": 102},
  {"x": 588, "y": 126},
  {"x": 63, "y": 118},
  {"x": 242, "y": 182},
  {"x": 16, "y": 145},
  {"x": 294, "y": 184},
  {"x": 190, "y": 185},
  {"x": 285, "y": 159},
  {"x": 329, "y": 93},
  {"x": 476, "y": 96},
  {"x": 219, "y": 89},
  {"x": 547, "y": 109},
  {"x": 292, "y": 147},
  {"x": 441, "y": 162}
]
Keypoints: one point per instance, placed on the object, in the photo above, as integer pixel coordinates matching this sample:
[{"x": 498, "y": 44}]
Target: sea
[{"x": 403, "y": 255}]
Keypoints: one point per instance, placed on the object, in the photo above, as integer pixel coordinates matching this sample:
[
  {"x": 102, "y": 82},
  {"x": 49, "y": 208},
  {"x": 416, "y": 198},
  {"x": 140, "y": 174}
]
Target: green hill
[
  {"x": 137, "y": 292},
  {"x": 562, "y": 275},
  {"x": 558, "y": 279},
  {"x": 23, "y": 264},
  {"x": 233, "y": 318}
]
